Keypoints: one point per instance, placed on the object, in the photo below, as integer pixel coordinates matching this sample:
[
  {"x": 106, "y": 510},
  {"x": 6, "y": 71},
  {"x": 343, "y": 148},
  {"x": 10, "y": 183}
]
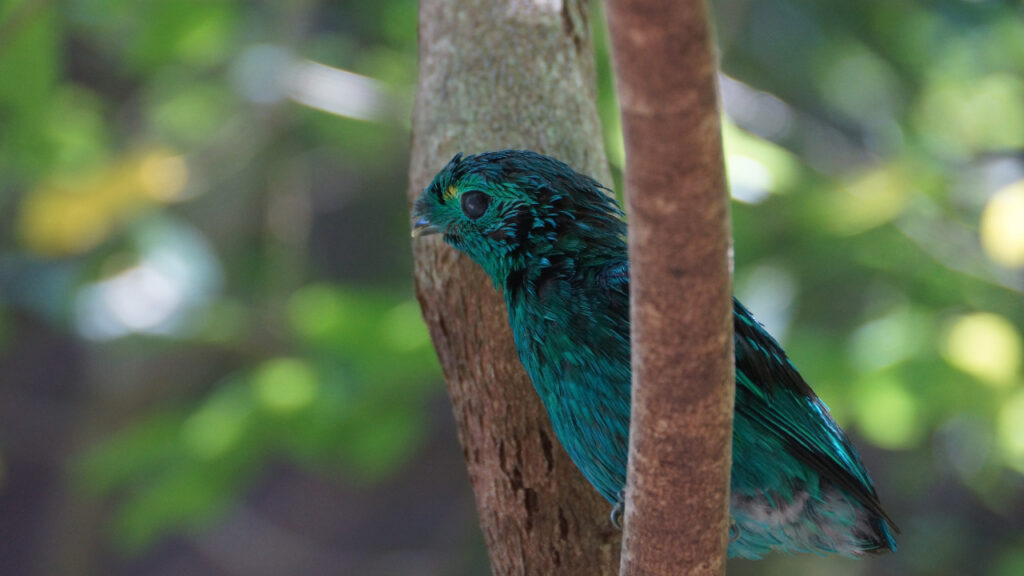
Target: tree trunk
[
  {"x": 676, "y": 513},
  {"x": 498, "y": 74}
]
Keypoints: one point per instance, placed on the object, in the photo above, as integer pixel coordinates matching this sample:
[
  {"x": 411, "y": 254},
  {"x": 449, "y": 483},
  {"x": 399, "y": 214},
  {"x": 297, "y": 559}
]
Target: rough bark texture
[
  {"x": 506, "y": 74},
  {"x": 680, "y": 440}
]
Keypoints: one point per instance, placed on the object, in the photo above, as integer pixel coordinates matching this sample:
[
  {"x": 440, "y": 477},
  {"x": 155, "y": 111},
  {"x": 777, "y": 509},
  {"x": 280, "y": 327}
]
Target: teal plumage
[{"x": 554, "y": 242}]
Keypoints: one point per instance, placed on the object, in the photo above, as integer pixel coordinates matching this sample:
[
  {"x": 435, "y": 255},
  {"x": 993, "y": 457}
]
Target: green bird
[{"x": 553, "y": 240}]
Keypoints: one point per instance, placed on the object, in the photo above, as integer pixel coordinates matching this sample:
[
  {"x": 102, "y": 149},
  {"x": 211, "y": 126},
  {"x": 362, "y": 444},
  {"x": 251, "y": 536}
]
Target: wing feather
[{"x": 776, "y": 396}]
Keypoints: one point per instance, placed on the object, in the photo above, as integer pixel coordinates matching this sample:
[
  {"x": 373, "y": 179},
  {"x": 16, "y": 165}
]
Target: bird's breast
[{"x": 580, "y": 369}]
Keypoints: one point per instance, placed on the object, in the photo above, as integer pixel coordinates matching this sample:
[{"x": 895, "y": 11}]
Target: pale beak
[{"x": 423, "y": 227}]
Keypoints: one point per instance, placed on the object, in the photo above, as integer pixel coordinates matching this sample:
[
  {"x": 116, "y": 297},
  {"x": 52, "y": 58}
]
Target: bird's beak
[{"x": 423, "y": 227}]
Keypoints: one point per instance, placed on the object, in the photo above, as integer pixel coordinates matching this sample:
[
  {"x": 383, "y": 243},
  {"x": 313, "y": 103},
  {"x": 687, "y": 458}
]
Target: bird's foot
[
  {"x": 734, "y": 531},
  {"x": 619, "y": 510}
]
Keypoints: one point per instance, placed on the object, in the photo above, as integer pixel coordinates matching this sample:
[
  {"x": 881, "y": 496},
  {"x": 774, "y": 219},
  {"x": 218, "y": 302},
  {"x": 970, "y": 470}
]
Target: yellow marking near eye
[{"x": 451, "y": 192}]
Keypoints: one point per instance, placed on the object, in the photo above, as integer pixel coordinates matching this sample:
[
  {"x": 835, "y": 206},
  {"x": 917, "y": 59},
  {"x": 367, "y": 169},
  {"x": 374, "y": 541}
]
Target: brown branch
[
  {"x": 500, "y": 74},
  {"x": 680, "y": 439}
]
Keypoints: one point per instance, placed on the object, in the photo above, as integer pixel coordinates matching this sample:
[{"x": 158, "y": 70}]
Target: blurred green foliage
[
  {"x": 204, "y": 259},
  {"x": 353, "y": 403}
]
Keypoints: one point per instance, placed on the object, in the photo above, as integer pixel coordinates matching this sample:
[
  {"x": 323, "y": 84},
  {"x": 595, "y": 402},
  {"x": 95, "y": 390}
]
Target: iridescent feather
[{"x": 553, "y": 241}]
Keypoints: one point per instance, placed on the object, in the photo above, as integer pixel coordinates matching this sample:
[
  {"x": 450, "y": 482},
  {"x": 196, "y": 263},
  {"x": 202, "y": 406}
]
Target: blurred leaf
[
  {"x": 968, "y": 115},
  {"x": 868, "y": 200},
  {"x": 388, "y": 66},
  {"x": 1011, "y": 430},
  {"x": 189, "y": 111},
  {"x": 189, "y": 496},
  {"x": 317, "y": 312},
  {"x": 859, "y": 83},
  {"x": 381, "y": 340},
  {"x": 380, "y": 439},
  {"x": 897, "y": 336},
  {"x": 195, "y": 32},
  {"x": 403, "y": 329},
  {"x": 1009, "y": 563},
  {"x": 78, "y": 130},
  {"x": 132, "y": 454},
  {"x": 220, "y": 423},
  {"x": 29, "y": 65},
  {"x": 72, "y": 214},
  {"x": 285, "y": 385},
  {"x": 398, "y": 23}
]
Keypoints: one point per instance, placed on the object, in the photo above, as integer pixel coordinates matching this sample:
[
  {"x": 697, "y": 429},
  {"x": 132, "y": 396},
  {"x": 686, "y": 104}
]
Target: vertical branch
[
  {"x": 498, "y": 74},
  {"x": 681, "y": 435}
]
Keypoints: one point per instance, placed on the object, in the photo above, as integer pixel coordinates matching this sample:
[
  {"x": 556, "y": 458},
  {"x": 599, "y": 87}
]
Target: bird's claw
[{"x": 618, "y": 511}]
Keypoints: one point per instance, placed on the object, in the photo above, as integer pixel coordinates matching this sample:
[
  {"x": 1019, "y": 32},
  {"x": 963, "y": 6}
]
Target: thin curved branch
[{"x": 676, "y": 514}]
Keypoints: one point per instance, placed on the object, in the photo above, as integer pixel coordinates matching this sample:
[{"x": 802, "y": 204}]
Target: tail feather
[{"x": 828, "y": 521}]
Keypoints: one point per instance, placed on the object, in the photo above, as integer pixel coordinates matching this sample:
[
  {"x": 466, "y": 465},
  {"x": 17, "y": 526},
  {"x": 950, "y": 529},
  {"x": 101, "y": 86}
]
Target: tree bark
[
  {"x": 676, "y": 513},
  {"x": 498, "y": 74}
]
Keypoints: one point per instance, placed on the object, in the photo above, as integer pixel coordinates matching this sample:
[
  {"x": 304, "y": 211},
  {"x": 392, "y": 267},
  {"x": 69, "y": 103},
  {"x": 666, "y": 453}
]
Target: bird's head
[{"x": 513, "y": 209}]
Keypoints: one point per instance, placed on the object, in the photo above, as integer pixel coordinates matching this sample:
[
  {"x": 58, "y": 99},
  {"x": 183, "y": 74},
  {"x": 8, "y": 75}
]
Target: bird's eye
[{"x": 474, "y": 204}]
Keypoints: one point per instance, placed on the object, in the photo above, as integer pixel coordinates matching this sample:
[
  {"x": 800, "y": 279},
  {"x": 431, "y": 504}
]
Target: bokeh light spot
[
  {"x": 163, "y": 176},
  {"x": 315, "y": 311},
  {"x": 403, "y": 327},
  {"x": 1002, "y": 226},
  {"x": 985, "y": 346},
  {"x": 887, "y": 414},
  {"x": 750, "y": 181},
  {"x": 56, "y": 223},
  {"x": 889, "y": 340},
  {"x": 285, "y": 385},
  {"x": 756, "y": 167},
  {"x": 71, "y": 214},
  {"x": 869, "y": 200},
  {"x": 1011, "y": 431}
]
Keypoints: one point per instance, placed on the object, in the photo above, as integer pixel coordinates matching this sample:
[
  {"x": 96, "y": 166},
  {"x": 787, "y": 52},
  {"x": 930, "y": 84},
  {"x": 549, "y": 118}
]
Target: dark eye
[{"x": 474, "y": 204}]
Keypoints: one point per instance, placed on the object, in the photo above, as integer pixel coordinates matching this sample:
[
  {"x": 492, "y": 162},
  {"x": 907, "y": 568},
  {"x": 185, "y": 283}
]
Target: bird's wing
[
  {"x": 614, "y": 276},
  {"x": 772, "y": 393}
]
